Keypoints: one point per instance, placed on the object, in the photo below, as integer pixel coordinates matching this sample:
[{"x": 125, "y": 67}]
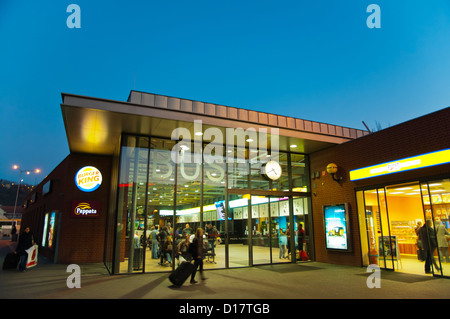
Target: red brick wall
[
  {"x": 422, "y": 135},
  {"x": 81, "y": 240}
]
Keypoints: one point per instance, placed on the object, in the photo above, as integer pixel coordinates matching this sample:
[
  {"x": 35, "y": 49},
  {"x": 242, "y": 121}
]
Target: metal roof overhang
[{"x": 94, "y": 125}]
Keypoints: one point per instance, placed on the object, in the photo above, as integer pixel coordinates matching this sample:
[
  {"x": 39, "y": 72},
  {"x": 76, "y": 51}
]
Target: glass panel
[
  {"x": 300, "y": 175},
  {"x": 405, "y": 212},
  {"x": 238, "y": 231},
  {"x": 303, "y": 241},
  {"x": 256, "y": 163},
  {"x": 238, "y": 168},
  {"x": 188, "y": 196},
  {"x": 440, "y": 203},
  {"x": 364, "y": 231},
  {"x": 373, "y": 225},
  {"x": 214, "y": 208},
  {"x": 436, "y": 201},
  {"x": 282, "y": 184},
  {"x": 260, "y": 230},
  {"x": 131, "y": 209},
  {"x": 280, "y": 230},
  {"x": 159, "y": 196},
  {"x": 427, "y": 240},
  {"x": 390, "y": 243}
]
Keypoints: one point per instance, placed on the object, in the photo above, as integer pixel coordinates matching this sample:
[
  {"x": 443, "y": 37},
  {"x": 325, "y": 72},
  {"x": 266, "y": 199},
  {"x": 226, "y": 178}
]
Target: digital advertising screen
[
  {"x": 220, "y": 208},
  {"x": 336, "y": 227}
]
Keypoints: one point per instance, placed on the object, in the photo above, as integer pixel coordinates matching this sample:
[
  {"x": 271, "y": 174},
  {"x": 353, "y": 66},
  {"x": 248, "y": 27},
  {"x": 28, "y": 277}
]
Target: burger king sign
[{"x": 88, "y": 179}]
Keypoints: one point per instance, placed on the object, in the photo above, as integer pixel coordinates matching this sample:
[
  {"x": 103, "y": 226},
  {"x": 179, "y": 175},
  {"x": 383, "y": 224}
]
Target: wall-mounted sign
[
  {"x": 84, "y": 208},
  {"x": 406, "y": 164},
  {"x": 336, "y": 226},
  {"x": 88, "y": 179}
]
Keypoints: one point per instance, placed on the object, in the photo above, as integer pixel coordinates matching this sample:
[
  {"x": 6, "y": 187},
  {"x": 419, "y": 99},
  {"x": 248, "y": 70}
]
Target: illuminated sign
[
  {"x": 88, "y": 179},
  {"x": 85, "y": 209},
  {"x": 406, "y": 164},
  {"x": 336, "y": 227}
]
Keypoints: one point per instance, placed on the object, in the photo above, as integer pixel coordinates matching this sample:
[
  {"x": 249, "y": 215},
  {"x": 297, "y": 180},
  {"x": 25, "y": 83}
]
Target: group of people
[
  {"x": 163, "y": 242},
  {"x": 429, "y": 239},
  {"x": 284, "y": 240}
]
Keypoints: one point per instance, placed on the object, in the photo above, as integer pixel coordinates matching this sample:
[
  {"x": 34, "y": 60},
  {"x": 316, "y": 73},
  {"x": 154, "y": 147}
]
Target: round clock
[{"x": 271, "y": 170}]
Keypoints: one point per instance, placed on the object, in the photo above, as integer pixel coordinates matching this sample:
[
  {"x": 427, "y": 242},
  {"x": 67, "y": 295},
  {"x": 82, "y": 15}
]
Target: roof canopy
[{"x": 95, "y": 125}]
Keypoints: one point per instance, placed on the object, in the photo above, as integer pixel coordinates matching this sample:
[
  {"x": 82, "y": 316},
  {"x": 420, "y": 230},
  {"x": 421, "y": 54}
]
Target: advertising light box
[{"x": 336, "y": 226}]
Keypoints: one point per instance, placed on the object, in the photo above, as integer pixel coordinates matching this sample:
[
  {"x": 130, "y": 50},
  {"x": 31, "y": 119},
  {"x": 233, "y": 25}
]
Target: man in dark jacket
[
  {"x": 25, "y": 242},
  {"x": 428, "y": 237}
]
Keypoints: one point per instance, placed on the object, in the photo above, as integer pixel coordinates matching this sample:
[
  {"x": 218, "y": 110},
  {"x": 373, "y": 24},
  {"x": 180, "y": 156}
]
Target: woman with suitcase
[{"x": 196, "y": 248}]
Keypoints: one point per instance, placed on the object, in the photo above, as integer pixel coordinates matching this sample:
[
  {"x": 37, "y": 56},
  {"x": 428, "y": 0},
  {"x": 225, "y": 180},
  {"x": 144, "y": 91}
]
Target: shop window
[{"x": 390, "y": 219}]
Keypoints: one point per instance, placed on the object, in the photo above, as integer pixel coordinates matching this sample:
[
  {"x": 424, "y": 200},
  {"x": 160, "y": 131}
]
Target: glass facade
[
  {"x": 391, "y": 218},
  {"x": 167, "y": 189}
]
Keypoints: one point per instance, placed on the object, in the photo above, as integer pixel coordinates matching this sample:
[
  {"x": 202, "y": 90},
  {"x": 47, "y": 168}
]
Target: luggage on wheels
[
  {"x": 181, "y": 273},
  {"x": 11, "y": 261}
]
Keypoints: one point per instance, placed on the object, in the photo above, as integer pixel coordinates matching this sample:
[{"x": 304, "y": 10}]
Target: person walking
[
  {"x": 428, "y": 238},
  {"x": 26, "y": 241},
  {"x": 442, "y": 235},
  {"x": 154, "y": 239},
  {"x": 196, "y": 250}
]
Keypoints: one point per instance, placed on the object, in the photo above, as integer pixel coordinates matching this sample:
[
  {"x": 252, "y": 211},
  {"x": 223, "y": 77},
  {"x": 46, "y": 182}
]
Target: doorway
[
  {"x": 264, "y": 229},
  {"x": 390, "y": 218}
]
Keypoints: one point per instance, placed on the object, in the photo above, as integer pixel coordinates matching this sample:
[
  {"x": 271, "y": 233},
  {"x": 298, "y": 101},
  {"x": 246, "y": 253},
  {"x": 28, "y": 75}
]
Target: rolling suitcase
[
  {"x": 11, "y": 261},
  {"x": 181, "y": 273}
]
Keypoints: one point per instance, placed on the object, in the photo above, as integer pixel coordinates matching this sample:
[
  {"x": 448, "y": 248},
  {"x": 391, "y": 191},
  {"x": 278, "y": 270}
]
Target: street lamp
[{"x": 28, "y": 172}]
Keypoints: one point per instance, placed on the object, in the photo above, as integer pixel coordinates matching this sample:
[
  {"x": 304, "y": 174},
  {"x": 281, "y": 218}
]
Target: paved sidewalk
[{"x": 310, "y": 280}]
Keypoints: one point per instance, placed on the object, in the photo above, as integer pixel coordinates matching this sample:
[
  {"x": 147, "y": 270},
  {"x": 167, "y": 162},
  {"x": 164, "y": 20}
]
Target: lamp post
[{"x": 28, "y": 172}]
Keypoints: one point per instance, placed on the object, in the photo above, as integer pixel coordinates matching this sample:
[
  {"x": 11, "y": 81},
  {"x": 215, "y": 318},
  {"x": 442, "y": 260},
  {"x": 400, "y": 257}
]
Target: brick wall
[
  {"x": 81, "y": 239},
  {"x": 418, "y": 136}
]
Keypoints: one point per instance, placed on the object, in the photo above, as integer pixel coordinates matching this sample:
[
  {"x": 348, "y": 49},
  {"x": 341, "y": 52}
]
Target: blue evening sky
[{"x": 315, "y": 60}]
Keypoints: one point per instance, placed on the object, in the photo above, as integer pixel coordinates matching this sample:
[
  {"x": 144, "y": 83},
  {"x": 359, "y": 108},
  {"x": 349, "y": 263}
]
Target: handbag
[{"x": 421, "y": 254}]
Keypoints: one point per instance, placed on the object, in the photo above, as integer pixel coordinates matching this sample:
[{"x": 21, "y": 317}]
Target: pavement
[{"x": 280, "y": 285}]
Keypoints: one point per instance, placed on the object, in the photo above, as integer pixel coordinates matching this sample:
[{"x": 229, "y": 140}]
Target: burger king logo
[{"x": 88, "y": 179}]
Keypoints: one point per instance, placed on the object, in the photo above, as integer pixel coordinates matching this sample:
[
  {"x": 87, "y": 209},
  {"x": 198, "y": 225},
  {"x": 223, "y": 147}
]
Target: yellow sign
[{"x": 406, "y": 164}]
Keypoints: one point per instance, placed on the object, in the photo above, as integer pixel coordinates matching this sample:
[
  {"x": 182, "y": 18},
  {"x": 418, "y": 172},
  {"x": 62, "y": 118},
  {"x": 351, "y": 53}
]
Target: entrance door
[
  {"x": 263, "y": 230},
  {"x": 436, "y": 204},
  {"x": 270, "y": 230},
  {"x": 378, "y": 246},
  {"x": 390, "y": 219}
]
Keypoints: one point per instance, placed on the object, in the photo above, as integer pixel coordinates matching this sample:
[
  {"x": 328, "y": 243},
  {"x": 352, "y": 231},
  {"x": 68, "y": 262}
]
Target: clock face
[{"x": 272, "y": 170}]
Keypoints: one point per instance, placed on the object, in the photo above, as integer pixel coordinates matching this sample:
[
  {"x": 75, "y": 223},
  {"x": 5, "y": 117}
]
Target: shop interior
[{"x": 392, "y": 216}]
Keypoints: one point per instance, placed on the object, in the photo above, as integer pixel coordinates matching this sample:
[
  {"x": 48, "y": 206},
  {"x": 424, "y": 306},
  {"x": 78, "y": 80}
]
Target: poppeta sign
[{"x": 88, "y": 179}]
